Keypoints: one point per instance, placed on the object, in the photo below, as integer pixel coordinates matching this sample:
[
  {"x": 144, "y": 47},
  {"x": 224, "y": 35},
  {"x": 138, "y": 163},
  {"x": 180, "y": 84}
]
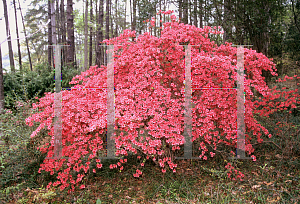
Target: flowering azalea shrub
[
  {"x": 278, "y": 112},
  {"x": 149, "y": 98}
]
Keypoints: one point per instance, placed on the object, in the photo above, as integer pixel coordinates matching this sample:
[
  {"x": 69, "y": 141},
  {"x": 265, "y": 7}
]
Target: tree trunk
[
  {"x": 97, "y": 39},
  {"x": 91, "y": 35},
  {"x": 107, "y": 19},
  {"x": 154, "y": 14},
  {"x": 201, "y": 13},
  {"x": 18, "y": 41},
  {"x": 95, "y": 32},
  {"x": 165, "y": 7},
  {"x": 116, "y": 18},
  {"x": 239, "y": 30},
  {"x": 227, "y": 20},
  {"x": 160, "y": 19},
  {"x": 49, "y": 36},
  {"x": 295, "y": 15},
  {"x": 190, "y": 12},
  {"x": 70, "y": 32},
  {"x": 111, "y": 21},
  {"x": 195, "y": 13},
  {"x": 75, "y": 61},
  {"x": 53, "y": 25},
  {"x": 130, "y": 12},
  {"x": 180, "y": 9},
  {"x": 58, "y": 23},
  {"x": 63, "y": 31},
  {"x": 185, "y": 18},
  {"x": 99, "y": 54},
  {"x": 101, "y": 36},
  {"x": 26, "y": 40},
  {"x": 86, "y": 35},
  {"x": 11, "y": 56},
  {"x": 124, "y": 27},
  {"x": 133, "y": 26},
  {"x": 205, "y": 14},
  {"x": 106, "y": 29}
]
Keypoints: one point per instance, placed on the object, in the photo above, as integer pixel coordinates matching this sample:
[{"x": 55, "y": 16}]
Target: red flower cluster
[{"x": 149, "y": 85}]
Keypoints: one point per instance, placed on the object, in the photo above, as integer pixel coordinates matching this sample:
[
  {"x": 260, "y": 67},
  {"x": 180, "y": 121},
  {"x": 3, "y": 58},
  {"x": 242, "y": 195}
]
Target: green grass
[{"x": 192, "y": 183}]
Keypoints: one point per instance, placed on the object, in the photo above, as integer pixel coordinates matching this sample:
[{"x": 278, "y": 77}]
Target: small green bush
[
  {"x": 23, "y": 86},
  {"x": 19, "y": 158}
]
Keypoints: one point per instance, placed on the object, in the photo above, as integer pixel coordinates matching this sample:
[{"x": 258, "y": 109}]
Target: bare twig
[{"x": 267, "y": 142}]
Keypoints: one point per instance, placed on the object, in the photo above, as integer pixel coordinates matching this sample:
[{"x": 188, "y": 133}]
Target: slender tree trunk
[
  {"x": 185, "y": 19},
  {"x": 116, "y": 19},
  {"x": 11, "y": 55},
  {"x": 70, "y": 32},
  {"x": 97, "y": 39},
  {"x": 18, "y": 41},
  {"x": 75, "y": 59},
  {"x": 95, "y": 32},
  {"x": 86, "y": 35},
  {"x": 49, "y": 36},
  {"x": 52, "y": 4},
  {"x": 58, "y": 23},
  {"x": 107, "y": 19},
  {"x": 107, "y": 28},
  {"x": 205, "y": 14},
  {"x": 26, "y": 40},
  {"x": 195, "y": 13},
  {"x": 63, "y": 31},
  {"x": 111, "y": 21},
  {"x": 190, "y": 12},
  {"x": 125, "y": 16},
  {"x": 165, "y": 7},
  {"x": 160, "y": 19},
  {"x": 295, "y": 15},
  {"x": 209, "y": 15},
  {"x": 201, "y": 13},
  {"x": 101, "y": 36},
  {"x": 141, "y": 27},
  {"x": 226, "y": 21},
  {"x": 154, "y": 14},
  {"x": 130, "y": 11},
  {"x": 180, "y": 9},
  {"x": 239, "y": 30},
  {"x": 53, "y": 23},
  {"x": 133, "y": 25},
  {"x": 91, "y": 34},
  {"x": 99, "y": 54}
]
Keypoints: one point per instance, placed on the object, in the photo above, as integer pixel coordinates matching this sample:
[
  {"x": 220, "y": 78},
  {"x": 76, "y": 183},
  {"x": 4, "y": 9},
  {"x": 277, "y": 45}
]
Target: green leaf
[{"x": 98, "y": 201}]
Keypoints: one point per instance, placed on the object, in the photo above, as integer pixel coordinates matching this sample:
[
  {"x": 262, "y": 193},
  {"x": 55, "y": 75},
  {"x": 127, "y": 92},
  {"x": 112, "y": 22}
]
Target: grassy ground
[{"x": 268, "y": 180}]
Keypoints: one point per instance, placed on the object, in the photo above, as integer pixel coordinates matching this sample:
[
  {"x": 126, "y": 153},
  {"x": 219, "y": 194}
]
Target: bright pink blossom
[{"x": 157, "y": 97}]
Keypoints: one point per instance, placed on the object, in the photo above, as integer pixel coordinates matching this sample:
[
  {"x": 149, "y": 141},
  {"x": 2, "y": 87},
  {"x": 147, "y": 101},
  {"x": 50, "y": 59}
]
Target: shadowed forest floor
[{"x": 268, "y": 180}]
